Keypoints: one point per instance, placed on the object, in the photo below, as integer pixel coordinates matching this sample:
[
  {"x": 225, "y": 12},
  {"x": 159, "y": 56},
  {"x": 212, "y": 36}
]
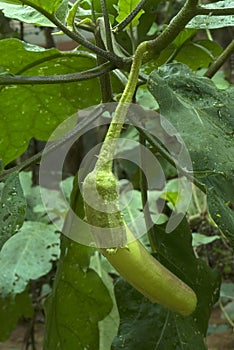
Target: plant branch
[
  {"x": 118, "y": 61},
  {"x": 127, "y": 20},
  {"x": 107, "y": 26},
  {"x": 188, "y": 11},
  {"x": 226, "y": 314},
  {"x": 105, "y": 82},
  {"x": 220, "y": 60},
  {"x": 52, "y": 57},
  {"x": 154, "y": 46},
  {"x": 84, "y": 27},
  {"x": 119, "y": 116},
  {"x": 204, "y": 11},
  {"x": 56, "y": 79}
]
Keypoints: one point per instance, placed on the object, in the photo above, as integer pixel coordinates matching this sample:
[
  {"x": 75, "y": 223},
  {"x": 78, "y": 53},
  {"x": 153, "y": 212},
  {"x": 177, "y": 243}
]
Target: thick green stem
[
  {"x": 188, "y": 11},
  {"x": 101, "y": 185},
  {"x": 132, "y": 261},
  {"x": 114, "y": 130}
]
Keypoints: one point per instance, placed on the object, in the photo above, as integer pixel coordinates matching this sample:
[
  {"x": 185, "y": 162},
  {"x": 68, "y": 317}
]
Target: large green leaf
[
  {"x": 198, "y": 54},
  {"x": 11, "y": 309},
  {"x": 151, "y": 326},
  {"x": 28, "y": 14},
  {"x": 108, "y": 327},
  {"x": 25, "y": 14},
  {"x": 79, "y": 299},
  {"x": 49, "y": 105},
  {"x": 78, "y": 302},
  {"x": 203, "y": 115},
  {"x": 48, "y": 6},
  {"x": 13, "y": 208},
  {"x": 144, "y": 325},
  {"x": 213, "y": 22},
  {"x": 27, "y": 255},
  {"x": 220, "y": 194}
]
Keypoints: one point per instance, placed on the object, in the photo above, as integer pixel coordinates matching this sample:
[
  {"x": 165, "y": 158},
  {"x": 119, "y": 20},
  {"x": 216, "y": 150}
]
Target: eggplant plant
[{"x": 145, "y": 77}]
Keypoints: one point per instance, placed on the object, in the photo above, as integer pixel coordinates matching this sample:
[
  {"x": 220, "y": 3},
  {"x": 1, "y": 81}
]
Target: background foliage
[{"x": 88, "y": 305}]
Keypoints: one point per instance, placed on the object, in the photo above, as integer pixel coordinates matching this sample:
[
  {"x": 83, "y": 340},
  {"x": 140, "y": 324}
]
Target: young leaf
[
  {"x": 200, "y": 239},
  {"x": 125, "y": 8},
  {"x": 25, "y": 14}
]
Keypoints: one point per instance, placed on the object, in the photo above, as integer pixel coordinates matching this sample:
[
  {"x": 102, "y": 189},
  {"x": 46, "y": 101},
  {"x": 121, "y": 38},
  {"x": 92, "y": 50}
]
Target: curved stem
[
  {"x": 228, "y": 318},
  {"x": 119, "y": 61},
  {"x": 40, "y": 61},
  {"x": 215, "y": 12},
  {"x": 54, "y": 56},
  {"x": 121, "y": 111},
  {"x": 188, "y": 11}
]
